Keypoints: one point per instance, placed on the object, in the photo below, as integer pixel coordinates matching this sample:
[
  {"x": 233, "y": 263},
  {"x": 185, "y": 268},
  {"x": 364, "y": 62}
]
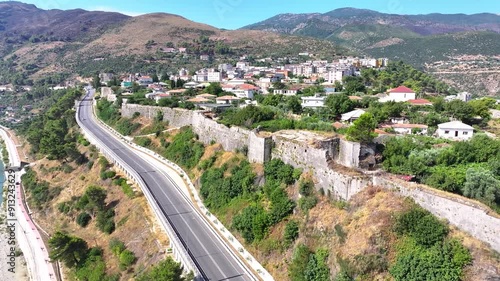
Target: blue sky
[{"x": 232, "y": 14}]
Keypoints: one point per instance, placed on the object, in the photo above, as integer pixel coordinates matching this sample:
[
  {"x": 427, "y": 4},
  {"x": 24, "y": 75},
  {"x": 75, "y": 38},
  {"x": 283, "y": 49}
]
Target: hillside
[
  {"x": 21, "y": 23},
  {"x": 419, "y": 24},
  {"x": 395, "y": 36},
  {"x": 298, "y": 233},
  {"x": 415, "y": 39},
  {"x": 40, "y": 43}
]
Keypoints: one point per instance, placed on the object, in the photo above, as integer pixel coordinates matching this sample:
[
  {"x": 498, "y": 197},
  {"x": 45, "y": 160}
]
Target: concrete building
[
  {"x": 455, "y": 130},
  {"x": 226, "y": 99},
  {"x": 225, "y": 67},
  {"x": 243, "y": 91},
  {"x": 463, "y": 96},
  {"x": 145, "y": 80},
  {"x": 352, "y": 116},
  {"x": 407, "y": 129},
  {"x": 214, "y": 76},
  {"x": 313, "y": 102},
  {"x": 399, "y": 94}
]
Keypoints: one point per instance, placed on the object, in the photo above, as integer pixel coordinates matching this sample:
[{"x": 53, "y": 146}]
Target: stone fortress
[{"x": 334, "y": 164}]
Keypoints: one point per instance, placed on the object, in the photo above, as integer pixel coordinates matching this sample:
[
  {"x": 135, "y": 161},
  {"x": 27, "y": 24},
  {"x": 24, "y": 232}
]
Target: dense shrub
[
  {"x": 116, "y": 246},
  {"x": 307, "y": 203},
  {"x": 185, "y": 150},
  {"x": 165, "y": 270},
  {"x": 127, "y": 258},
  {"x": 105, "y": 221},
  {"x": 291, "y": 231},
  {"x": 421, "y": 225},
  {"x": 143, "y": 141},
  {"x": 217, "y": 190},
  {"x": 83, "y": 219},
  {"x": 252, "y": 223},
  {"x": 443, "y": 261},
  {"x": 277, "y": 170},
  {"x": 107, "y": 175}
]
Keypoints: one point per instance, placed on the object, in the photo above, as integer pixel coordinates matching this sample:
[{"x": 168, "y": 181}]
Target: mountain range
[
  {"x": 37, "y": 42},
  {"x": 413, "y": 38}
]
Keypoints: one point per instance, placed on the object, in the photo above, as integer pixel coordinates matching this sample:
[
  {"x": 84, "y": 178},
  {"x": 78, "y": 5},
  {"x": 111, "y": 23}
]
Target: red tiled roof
[
  {"x": 247, "y": 87},
  {"x": 420, "y": 102},
  {"x": 401, "y": 89},
  {"x": 338, "y": 125},
  {"x": 227, "y": 98}
]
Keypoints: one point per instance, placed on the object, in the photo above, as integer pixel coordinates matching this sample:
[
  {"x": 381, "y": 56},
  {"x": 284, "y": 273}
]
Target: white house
[
  {"x": 214, "y": 76},
  {"x": 159, "y": 96},
  {"x": 455, "y": 130},
  {"x": 191, "y": 85},
  {"x": 243, "y": 91},
  {"x": 463, "y": 96},
  {"x": 313, "y": 102},
  {"x": 226, "y": 99},
  {"x": 353, "y": 115},
  {"x": 406, "y": 129},
  {"x": 400, "y": 94},
  {"x": 286, "y": 92},
  {"x": 145, "y": 80}
]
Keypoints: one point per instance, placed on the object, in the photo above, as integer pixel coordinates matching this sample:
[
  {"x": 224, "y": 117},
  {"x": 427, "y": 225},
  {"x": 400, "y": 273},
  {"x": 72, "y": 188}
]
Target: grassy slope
[
  {"x": 365, "y": 223},
  {"x": 135, "y": 224}
]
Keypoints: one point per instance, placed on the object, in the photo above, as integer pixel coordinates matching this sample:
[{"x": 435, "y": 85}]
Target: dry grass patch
[{"x": 135, "y": 223}]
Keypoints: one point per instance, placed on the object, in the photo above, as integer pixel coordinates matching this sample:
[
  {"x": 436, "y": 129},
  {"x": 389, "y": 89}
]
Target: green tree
[
  {"x": 353, "y": 84},
  {"x": 362, "y": 129},
  {"x": 167, "y": 270},
  {"x": 441, "y": 262},
  {"x": 422, "y": 226},
  {"x": 317, "y": 267},
  {"x": 338, "y": 86},
  {"x": 83, "y": 219},
  {"x": 298, "y": 266},
  {"x": 127, "y": 258},
  {"x": 482, "y": 107},
  {"x": 482, "y": 185},
  {"x": 96, "y": 81},
  {"x": 96, "y": 197},
  {"x": 278, "y": 85},
  {"x": 291, "y": 231},
  {"x": 116, "y": 246},
  {"x": 68, "y": 249},
  {"x": 281, "y": 205},
  {"x": 252, "y": 223},
  {"x": 293, "y": 104},
  {"x": 155, "y": 78},
  {"x": 214, "y": 89},
  {"x": 339, "y": 104},
  {"x": 460, "y": 110}
]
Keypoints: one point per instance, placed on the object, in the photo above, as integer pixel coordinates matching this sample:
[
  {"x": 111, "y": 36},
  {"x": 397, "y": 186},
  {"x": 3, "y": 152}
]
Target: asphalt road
[{"x": 210, "y": 254}]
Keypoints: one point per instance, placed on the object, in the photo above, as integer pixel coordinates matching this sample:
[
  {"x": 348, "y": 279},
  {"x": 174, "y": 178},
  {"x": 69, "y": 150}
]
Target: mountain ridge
[
  {"x": 38, "y": 42},
  {"x": 487, "y": 21}
]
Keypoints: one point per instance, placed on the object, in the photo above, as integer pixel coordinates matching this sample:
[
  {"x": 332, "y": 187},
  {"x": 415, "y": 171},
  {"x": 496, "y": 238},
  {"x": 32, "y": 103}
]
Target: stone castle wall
[
  {"x": 208, "y": 130},
  {"x": 320, "y": 157},
  {"x": 470, "y": 217}
]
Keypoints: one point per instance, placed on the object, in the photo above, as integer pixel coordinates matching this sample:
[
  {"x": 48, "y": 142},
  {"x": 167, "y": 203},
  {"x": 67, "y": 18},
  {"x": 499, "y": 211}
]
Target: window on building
[
  {"x": 446, "y": 132},
  {"x": 465, "y": 133}
]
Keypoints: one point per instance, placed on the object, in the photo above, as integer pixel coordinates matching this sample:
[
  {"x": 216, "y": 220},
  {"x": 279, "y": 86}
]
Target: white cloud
[{"x": 111, "y": 9}]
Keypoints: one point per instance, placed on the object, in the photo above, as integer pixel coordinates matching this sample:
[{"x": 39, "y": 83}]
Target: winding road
[{"x": 211, "y": 255}]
